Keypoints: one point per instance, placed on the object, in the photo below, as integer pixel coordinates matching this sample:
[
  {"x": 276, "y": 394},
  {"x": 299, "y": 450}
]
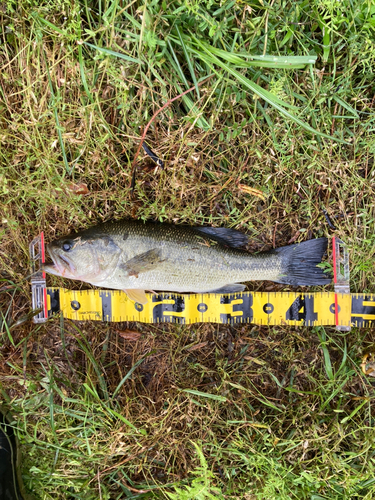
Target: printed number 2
[{"x": 159, "y": 309}]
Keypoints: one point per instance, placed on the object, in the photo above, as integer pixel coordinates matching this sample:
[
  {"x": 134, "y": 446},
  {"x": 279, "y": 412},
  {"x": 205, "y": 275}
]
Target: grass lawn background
[{"x": 284, "y": 104}]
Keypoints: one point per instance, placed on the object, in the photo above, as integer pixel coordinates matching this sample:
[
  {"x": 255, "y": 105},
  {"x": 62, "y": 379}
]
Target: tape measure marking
[{"x": 335, "y": 278}]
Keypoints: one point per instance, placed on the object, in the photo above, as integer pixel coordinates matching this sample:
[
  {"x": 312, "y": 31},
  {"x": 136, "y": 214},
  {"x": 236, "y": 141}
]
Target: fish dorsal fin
[
  {"x": 146, "y": 261},
  {"x": 136, "y": 295},
  {"x": 224, "y": 236}
]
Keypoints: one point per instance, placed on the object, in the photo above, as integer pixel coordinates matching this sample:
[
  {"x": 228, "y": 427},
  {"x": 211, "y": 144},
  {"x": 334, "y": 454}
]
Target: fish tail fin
[{"x": 299, "y": 263}]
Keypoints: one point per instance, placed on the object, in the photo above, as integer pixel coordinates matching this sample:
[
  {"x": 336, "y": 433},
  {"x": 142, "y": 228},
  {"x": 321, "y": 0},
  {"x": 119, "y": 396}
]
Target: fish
[{"x": 135, "y": 256}]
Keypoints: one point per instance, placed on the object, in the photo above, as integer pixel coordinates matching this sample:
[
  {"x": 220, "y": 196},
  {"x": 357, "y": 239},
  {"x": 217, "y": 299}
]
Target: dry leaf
[
  {"x": 368, "y": 364},
  {"x": 197, "y": 346},
  {"x": 129, "y": 334},
  {"x": 292, "y": 240},
  {"x": 255, "y": 192},
  {"x": 79, "y": 188},
  {"x": 255, "y": 360}
]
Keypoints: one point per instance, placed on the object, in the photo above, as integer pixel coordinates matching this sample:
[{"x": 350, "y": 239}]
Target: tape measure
[
  {"x": 273, "y": 308},
  {"x": 339, "y": 308}
]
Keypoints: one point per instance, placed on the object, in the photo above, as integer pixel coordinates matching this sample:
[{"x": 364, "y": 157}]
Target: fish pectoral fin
[
  {"x": 136, "y": 295},
  {"x": 143, "y": 262},
  {"x": 229, "y": 289}
]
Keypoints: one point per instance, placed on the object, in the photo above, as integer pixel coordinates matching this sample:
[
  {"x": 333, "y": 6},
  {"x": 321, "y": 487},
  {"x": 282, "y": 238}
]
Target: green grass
[{"x": 284, "y": 104}]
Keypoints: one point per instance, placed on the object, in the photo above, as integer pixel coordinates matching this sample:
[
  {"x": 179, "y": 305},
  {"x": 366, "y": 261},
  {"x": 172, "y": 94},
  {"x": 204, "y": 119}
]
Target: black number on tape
[
  {"x": 359, "y": 310},
  {"x": 106, "y": 306},
  {"x": 245, "y": 308},
  {"x": 55, "y": 300},
  {"x": 159, "y": 309},
  {"x": 302, "y": 309}
]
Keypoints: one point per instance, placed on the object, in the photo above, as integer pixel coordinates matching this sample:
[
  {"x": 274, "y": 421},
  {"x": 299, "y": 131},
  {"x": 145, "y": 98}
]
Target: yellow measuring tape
[{"x": 262, "y": 308}]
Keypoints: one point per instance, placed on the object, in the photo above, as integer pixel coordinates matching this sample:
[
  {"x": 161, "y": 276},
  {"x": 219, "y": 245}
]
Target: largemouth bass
[{"x": 135, "y": 256}]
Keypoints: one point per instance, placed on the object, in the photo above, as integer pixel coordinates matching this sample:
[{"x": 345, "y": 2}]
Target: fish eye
[{"x": 66, "y": 246}]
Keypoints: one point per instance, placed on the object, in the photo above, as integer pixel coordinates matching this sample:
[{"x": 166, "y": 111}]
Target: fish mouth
[{"x": 62, "y": 265}]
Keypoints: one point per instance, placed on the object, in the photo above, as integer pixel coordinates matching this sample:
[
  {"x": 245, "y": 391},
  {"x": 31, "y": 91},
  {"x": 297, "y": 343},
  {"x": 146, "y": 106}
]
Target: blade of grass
[
  {"x": 83, "y": 75},
  {"x": 112, "y": 412},
  {"x": 268, "y": 120},
  {"x": 176, "y": 64},
  {"x": 113, "y": 53},
  {"x": 346, "y": 106},
  {"x": 262, "y": 399},
  {"x": 49, "y": 379},
  {"x": 58, "y": 128},
  {"x": 344, "y": 358},
  {"x": 253, "y": 86},
  {"x": 144, "y": 17},
  {"x": 7, "y": 330},
  {"x": 48, "y": 23},
  {"x": 128, "y": 375},
  {"x": 187, "y": 57},
  {"x": 215, "y": 397},
  {"x": 354, "y": 412},
  {"x": 335, "y": 392},
  {"x": 126, "y": 421},
  {"x": 327, "y": 359},
  {"x": 326, "y": 40},
  {"x": 201, "y": 122},
  {"x": 98, "y": 371},
  {"x": 270, "y": 98},
  {"x": 245, "y": 60}
]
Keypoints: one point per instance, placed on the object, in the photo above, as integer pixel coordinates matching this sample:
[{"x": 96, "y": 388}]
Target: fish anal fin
[{"x": 136, "y": 295}]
